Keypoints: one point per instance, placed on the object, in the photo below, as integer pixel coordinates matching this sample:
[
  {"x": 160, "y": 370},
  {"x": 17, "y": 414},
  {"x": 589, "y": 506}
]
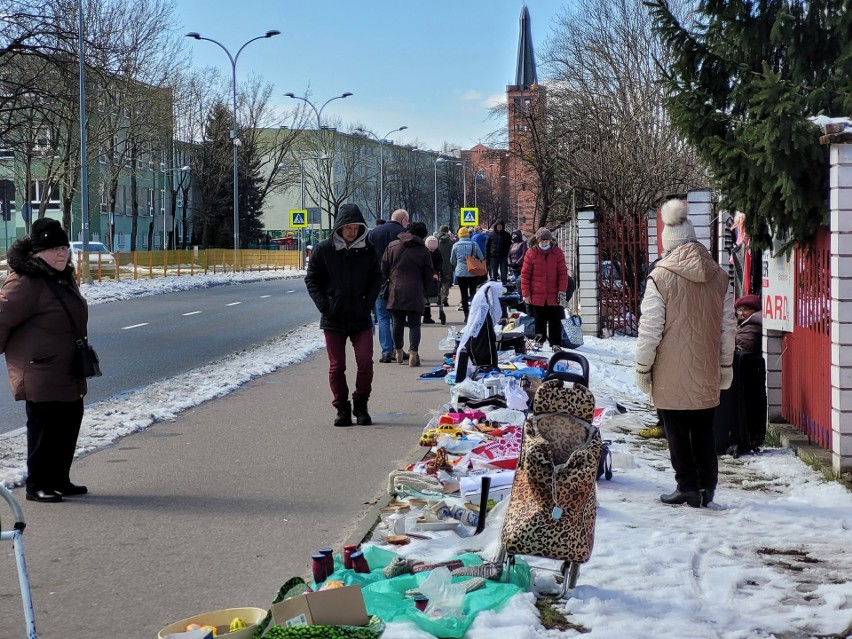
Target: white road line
[
  {"x": 293, "y": 291},
  {"x": 233, "y": 303},
  {"x": 124, "y": 328},
  {"x": 191, "y": 313},
  {"x": 263, "y": 297}
]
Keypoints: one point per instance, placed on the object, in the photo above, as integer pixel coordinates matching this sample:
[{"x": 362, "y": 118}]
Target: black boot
[
  {"x": 344, "y": 414},
  {"x": 691, "y": 497},
  {"x": 707, "y": 496},
  {"x": 359, "y": 409}
]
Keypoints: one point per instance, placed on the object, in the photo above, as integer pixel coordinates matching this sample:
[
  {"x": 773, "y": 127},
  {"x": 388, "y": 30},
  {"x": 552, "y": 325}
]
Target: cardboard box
[{"x": 334, "y": 607}]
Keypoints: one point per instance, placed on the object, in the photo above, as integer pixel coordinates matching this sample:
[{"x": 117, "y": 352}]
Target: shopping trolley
[{"x": 16, "y": 535}]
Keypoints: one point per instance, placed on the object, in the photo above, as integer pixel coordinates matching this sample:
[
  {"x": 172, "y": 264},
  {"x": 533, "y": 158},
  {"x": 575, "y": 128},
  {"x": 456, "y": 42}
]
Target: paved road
[
  {"x": 219, "y": 507},
  {"x": 147, "y": 339}
]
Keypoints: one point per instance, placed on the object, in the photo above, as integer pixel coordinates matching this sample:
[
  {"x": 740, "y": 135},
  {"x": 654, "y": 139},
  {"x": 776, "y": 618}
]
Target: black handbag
[{"x": 86, "y": 361}]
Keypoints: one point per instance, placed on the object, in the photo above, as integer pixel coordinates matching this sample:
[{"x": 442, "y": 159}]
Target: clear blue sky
[{"x": 434, "y": 65}]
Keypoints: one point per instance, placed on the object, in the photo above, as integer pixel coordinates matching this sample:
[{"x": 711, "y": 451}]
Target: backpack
[{"x": 516, "y": 255}]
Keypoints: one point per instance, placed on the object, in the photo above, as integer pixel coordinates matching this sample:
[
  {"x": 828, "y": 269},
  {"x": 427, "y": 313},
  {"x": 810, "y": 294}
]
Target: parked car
[{"x": 99, "y": 257}]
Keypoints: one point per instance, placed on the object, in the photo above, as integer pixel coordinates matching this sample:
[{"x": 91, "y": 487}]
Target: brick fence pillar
[
  {"x": 589, "y": 259},
  {"x": 840, "y": 202}
]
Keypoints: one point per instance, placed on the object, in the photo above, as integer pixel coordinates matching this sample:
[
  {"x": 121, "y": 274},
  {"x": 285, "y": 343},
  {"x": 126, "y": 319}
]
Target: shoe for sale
[
  {"x": 386, "y": 358},
  {"x": 689, "y": 497},
  {"x": 45, "y": 496},
  {"x": 344, "y": 415},
  {"x": 69, "y": 490},
  {"x": 655, "y": 432},
  {"x": 359, "y": 410}
]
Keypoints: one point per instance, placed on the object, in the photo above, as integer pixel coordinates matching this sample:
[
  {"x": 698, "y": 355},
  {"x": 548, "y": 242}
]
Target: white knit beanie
[
  {"x": 678, "y": 229},
  {"x": 431, "y": 242}
]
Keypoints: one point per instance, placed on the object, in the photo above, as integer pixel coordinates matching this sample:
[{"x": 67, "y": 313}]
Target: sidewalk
[{"x": 221, "y": 506}]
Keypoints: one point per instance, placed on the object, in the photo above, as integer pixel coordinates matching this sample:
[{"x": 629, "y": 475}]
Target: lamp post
[
  {"x": 234, "y": 139},
  {"x": 381, "y": 142},
  {"x": 318, "y": 112},
  {"x": 435, "y": 161},
  {"x": 184, "y": 171}
]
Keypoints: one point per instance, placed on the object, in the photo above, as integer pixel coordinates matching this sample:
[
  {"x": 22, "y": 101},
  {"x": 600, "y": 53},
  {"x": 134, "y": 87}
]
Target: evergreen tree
[
  {"x": 741, "y": 87},
  {"x": 251, "y": 194},
  {"x": 215, "y": 180}
]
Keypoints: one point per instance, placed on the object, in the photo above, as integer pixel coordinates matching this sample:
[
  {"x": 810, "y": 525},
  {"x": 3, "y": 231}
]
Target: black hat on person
[{"x": 47, "y": 233}]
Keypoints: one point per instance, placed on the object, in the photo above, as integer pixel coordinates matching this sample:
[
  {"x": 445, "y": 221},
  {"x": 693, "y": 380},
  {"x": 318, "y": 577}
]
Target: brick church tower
[{"x": 522, "y": 98}]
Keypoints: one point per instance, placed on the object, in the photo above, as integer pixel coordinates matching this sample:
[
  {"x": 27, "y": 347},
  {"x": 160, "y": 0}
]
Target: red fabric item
[
  {"x": 544, "y": 275},
  {"x": 502, "y": 453}
]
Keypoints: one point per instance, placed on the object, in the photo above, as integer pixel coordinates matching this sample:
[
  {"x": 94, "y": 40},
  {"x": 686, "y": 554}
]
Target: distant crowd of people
[{"x": 386, "y": 276}]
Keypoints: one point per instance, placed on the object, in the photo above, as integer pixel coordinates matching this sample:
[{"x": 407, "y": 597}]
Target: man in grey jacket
[{"x": 684, "y": 353}]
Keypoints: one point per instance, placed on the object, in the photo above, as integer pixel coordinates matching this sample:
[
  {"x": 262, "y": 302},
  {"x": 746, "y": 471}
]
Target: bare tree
[{"x": 604, "y": 128}]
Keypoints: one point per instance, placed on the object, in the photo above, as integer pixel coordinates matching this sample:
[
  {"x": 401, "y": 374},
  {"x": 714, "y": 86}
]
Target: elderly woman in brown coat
[
  {"x": 407, "y": 263},
  {"x": 39, "y": 337}
]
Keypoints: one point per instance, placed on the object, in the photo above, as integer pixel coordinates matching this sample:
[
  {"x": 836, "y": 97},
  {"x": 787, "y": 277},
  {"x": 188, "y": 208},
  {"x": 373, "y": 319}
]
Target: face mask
[{"x": 545, "y": 248}]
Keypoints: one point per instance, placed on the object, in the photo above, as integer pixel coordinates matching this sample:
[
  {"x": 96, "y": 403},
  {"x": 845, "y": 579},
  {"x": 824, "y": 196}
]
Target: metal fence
[
  {"x": 623, "y": 243},
  {"x": 806, "y": 352}
]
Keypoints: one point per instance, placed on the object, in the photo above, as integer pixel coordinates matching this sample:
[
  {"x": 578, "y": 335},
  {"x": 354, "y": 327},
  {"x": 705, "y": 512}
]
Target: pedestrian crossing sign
[
  {"x": 298, "y": 219},
  {"x": 470, "y": 216}
]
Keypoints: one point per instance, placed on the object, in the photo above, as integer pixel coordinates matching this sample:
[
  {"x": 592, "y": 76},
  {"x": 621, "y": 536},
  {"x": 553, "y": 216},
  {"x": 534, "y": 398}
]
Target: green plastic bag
[{"x": 386, "y": 599}]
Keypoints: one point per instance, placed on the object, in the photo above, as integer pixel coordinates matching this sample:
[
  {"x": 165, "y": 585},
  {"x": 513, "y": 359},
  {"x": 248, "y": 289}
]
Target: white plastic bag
[
  {"x": 516, "y": 397},
  {"x": 446, "y": 599}
]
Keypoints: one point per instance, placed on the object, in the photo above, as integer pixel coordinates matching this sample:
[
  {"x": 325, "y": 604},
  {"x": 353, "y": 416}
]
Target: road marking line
[
  {"x": 263, "y": 297},
  {"x": 191, "y": 313},
  {"x": 233, "y": 303},
  {"x": 293, "y": 291},
  {"x": 124, "y": 328}
]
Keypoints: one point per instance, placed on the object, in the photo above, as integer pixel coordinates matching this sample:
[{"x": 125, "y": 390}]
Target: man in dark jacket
[
  {"x": 380, "y": 237},
  {"x": 497, "y": 251},
  {"x": 445, "y": 246},
  {"x": 343, "y": 280}
]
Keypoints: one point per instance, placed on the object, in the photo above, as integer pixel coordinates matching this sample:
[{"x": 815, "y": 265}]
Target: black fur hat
[{"x": 47, "y": 233}]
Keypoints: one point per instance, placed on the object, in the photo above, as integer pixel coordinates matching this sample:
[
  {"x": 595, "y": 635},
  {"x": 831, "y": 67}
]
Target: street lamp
[
  {"x": 463, "y": 164},
  {"x": 318, "y": 112},
  {"x": 234, "y": 139},
  {"x": 381, "y": 142},
  {"x": 435, "y": 161},
  {"x": 184, "y": 171}
]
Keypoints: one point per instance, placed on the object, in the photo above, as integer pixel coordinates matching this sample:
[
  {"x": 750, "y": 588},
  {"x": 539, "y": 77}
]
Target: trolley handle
[
  {"x": 570, "y": 356},
  {"x": 13, "y": 504}
]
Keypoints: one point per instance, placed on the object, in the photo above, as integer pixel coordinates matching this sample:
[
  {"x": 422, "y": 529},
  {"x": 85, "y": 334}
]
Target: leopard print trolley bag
[{"x": 552, "y": 510}]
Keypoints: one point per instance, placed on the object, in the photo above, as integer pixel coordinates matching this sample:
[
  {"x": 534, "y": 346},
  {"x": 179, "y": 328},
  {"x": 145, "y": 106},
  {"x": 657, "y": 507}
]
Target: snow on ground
[{"x": 774, "y": 561}]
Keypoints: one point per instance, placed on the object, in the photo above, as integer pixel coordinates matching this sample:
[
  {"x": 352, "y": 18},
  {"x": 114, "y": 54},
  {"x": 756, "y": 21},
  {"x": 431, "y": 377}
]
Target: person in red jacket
[{"x": 544, "y": 280}]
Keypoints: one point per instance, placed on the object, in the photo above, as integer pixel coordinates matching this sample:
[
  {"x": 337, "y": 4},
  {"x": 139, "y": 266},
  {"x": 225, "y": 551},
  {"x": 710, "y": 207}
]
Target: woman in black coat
[
  {"x": 438, "y": 265},
  {"x": 38, "y": 336},
  {"x": 407, "y": 264}
]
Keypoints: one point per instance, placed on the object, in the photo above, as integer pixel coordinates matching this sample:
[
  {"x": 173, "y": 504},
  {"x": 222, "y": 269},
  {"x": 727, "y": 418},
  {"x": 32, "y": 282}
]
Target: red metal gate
[
  {"x": 623, "y": 247},
  {"x": 806, "y": 352}
]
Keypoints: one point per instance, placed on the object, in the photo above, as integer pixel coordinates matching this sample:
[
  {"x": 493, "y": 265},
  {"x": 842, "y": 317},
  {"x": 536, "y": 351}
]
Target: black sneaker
[{"x": 690, "y": 497}]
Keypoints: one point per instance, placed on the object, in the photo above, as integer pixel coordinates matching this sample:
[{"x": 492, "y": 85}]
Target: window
[
  {"x": 6, "y": 153},
  {"x": 104, "y": 204},
  {"x": 39, "y": 190}
]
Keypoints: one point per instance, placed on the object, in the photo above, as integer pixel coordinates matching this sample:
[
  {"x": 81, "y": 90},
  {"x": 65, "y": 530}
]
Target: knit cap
[
  {"x": 543, "y": 234},
  {"x": 678, "y": 229},
  {"x": 47, "y": 233},
  {"x": 431, "y": 242},
  {"x": 463, "y": 232}
]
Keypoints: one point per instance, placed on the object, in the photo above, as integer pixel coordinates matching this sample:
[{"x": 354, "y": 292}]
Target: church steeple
[{"x": 525, "y": 73}]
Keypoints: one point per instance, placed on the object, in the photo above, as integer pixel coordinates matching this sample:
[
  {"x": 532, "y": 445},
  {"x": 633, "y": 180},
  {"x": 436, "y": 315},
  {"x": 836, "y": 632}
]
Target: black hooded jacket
[
  {"x": 499, "y": 242},
  {"x": 343, "y": 280}
]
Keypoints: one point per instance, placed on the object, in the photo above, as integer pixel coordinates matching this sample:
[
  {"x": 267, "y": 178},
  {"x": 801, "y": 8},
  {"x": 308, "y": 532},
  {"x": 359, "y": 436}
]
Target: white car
[{"x": 99, "y": 257}]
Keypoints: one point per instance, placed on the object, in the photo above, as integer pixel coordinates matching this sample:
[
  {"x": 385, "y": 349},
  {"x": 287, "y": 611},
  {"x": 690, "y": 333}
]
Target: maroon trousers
[{"x": 362, "y": 343}]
